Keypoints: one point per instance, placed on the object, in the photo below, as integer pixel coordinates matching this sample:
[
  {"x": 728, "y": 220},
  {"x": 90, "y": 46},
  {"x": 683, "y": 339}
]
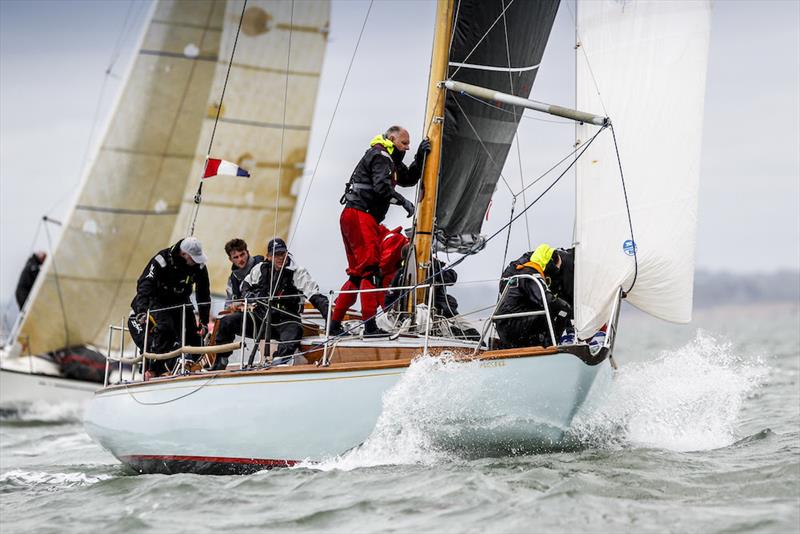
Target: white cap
[{"x": 193, "y": 247}]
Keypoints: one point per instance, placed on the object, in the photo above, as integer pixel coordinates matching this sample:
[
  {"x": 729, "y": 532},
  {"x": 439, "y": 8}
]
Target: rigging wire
[
  {"x": 96, "y": 115},
  {"x": 330, "y": 123},
  {"x": 273, "y": 287},
  {"x": 628, "y": 211},
  {"x": 198, "y": 197},
  {"x": 516, "y": 136},
  {"x": 481, "y": 40},
  {"x": 579, "y": 45},
  {"x": 478, "y": 137}
]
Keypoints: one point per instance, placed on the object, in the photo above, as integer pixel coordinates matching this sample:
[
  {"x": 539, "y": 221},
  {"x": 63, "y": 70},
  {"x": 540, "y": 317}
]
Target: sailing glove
[
  {"x": 408, "y": 206},
  {"x": 141, "y": 317},
  {"x": 424, "y": 148}
]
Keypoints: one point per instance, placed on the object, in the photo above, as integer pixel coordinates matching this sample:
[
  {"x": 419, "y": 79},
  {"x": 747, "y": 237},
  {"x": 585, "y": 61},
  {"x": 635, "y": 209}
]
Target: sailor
[
  {"x": 367, "y": 197},
  {"x": 167, "y": 282},
  {"x": 523, "y": 295},
  {"x": 28, "y": 276},
  {"x": 241, "y": 265},
  {"x": 289, "y": 284},
  {"x": 393, "y": 244}
]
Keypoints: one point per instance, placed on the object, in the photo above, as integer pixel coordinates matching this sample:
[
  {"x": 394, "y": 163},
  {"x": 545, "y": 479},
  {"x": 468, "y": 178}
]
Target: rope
[
  {"x": 330, "y": 124},
  {"x": 628, "y": 211},
  {"x": 198, "y": 197},
  {"x": 201, "y": 386}
]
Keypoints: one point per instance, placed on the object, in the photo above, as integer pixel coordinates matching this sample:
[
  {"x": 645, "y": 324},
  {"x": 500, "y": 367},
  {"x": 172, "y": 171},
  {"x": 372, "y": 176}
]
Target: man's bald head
[{"x": 399, "y": 136}]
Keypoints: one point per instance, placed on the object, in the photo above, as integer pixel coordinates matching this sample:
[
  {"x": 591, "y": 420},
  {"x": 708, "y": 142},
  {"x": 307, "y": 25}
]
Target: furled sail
[
  {"x": 264, "y": 127},
  {"x": 131, "y": 194},
  {"x": 644, "y": 65},
  {"x": 497, "y": 44}
]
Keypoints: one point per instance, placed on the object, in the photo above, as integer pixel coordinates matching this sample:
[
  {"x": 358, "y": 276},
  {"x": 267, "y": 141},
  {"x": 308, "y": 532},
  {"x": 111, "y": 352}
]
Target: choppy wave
[
  {"x": 26, "y": 479},
  {"x": 685, "y": 400},
  {"x": 41, "y": 413}
]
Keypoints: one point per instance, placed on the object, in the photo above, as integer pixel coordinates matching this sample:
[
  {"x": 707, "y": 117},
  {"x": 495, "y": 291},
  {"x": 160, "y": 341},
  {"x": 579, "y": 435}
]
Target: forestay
[
  {"x": 497, "y": 44},
  {"x": 130, "y": 196},
  {"x": 643, "y": 64},
  {"x": 264, "y": 126}
]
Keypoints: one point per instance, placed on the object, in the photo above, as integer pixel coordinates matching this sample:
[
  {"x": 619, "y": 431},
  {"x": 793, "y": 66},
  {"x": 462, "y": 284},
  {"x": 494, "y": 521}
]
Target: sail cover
[
  {"x": 644, "y": 65},
  {"x": 276, "y": 37},
  {"x": 497, "y": 44},
  {"x": 130, "y": 197}
]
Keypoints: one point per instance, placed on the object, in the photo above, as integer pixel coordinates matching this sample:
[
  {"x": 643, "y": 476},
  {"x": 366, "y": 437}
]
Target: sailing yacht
[
  {"x": 640, "y": 89},
  {"x": 138, "y": 193}
]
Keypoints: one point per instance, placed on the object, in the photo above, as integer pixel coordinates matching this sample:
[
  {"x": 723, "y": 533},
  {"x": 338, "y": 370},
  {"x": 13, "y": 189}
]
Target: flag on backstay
[{"x": 218, "y": 167}]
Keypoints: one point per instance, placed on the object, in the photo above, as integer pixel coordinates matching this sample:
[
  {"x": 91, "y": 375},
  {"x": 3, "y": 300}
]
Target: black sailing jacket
[
  {"x": 371, "y": 187},
  {"x": 168, "y": 280}
]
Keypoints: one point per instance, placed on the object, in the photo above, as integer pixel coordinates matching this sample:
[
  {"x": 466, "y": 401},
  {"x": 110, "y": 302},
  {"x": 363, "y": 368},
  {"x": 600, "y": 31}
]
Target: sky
[{"x": 55, "y": 97}]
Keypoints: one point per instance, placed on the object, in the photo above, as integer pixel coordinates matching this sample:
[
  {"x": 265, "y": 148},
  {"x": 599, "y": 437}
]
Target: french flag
[{"x": 217, "y": 167}]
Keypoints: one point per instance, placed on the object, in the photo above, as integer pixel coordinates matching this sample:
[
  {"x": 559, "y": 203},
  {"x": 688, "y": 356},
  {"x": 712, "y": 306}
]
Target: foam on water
[
  {"x": 684, "y": 400},
  {"x": 430, "y": 403},
  {"x": 21, "y": 478}
]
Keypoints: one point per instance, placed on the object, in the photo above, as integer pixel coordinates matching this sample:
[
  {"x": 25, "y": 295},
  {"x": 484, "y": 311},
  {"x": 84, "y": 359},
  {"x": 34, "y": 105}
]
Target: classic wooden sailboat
[
  {"x": 138, "y": 192},
  {"x": 639, "y": 59}
]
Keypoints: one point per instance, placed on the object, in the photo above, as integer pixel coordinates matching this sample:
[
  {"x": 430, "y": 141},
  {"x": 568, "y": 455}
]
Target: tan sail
[
  {"x": 131, "y": 195},
  {"x": 251, "y": 128}
]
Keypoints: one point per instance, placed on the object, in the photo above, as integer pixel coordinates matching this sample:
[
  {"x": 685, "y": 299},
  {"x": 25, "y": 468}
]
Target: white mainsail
[
  {"x": 264, "y": 126},
  {"x": 131, "y": 194},
  {"x": 643, "y": 64}
]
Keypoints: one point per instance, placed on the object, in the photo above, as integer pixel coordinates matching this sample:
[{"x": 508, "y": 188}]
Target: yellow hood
[
  {"x": 540, "y": 258},
  {"x": 381, "y": 140}
]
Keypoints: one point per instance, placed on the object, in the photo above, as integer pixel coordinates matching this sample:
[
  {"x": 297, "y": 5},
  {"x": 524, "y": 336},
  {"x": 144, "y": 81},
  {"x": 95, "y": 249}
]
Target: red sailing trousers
[{"x": 361, "y": 236}]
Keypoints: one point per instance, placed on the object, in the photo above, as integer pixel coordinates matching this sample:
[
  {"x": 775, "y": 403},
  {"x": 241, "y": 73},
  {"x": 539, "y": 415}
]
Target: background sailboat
[{"x": 132, "y": 202}]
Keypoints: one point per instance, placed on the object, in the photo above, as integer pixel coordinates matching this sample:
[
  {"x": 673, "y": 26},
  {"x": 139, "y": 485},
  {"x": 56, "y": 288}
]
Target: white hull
[
  {"x": 30, "y": 379},
  {"x": 241, "y": 422}
]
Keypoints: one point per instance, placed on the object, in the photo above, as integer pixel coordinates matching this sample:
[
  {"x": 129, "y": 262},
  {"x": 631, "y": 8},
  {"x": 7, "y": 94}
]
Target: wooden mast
[{"x": 434, "y": 121}]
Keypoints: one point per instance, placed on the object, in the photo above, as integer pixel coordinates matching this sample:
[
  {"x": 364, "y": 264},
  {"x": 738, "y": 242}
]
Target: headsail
[
  {"x": 497, "y": 44},
  {"x": 644, "y": 65},
  {"x": 251, "y": 131},
  {"x": 131, "y": 194}
]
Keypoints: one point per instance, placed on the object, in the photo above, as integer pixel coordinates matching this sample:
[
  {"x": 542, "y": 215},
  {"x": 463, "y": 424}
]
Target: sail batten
[{"x": 645, "y": 64}]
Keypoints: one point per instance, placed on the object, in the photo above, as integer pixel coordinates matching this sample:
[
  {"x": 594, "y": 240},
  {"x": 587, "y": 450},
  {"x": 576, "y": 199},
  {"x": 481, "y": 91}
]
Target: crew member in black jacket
[
  {"x": 367, "y": 197},
  {"x": 28, "y": 276},
  {"x": 168, "y": 281},
  {"x": 289, "y": 284},
  {"x": 523, "y": 295}
]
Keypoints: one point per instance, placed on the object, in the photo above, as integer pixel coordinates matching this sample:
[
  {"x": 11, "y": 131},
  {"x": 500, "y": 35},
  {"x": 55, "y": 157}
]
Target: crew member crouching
[
  {"x": 523, "y": 295},
  {"x": 167, "y": 282}
]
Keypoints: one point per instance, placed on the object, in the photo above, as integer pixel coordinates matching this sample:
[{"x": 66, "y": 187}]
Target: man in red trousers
[{"x": 367, "y": 197}]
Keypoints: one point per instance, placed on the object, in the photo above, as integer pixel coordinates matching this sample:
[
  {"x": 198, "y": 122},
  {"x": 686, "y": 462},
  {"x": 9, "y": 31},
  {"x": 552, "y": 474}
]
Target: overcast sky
[{"x": 53, "y": 56}]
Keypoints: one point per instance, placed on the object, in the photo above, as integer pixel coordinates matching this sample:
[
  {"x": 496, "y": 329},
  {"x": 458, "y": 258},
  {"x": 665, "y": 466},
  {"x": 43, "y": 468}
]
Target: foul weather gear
[
  {"x": 523, "y": 295},
  {"x": 26, "y": 279},
  {"x": 233, "y": 290}
]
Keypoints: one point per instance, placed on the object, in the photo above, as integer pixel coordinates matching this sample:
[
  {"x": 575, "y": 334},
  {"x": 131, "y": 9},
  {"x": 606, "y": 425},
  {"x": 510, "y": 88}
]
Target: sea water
[{"x": 700, "y": 432}]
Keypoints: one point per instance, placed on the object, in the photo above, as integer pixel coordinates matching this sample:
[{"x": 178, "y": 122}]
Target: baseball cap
[
  {"x": 193, "y": 247},
  {"x": 276, "y": 245}
]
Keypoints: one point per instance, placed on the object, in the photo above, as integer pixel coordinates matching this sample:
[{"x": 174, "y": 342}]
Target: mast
[{"x": 434, "y": 120}]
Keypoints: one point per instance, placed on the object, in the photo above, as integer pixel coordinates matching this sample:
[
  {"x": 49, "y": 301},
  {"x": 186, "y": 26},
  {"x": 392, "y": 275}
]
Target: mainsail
[
  {"x": 644, "y": 65},
  {"x": 496, "y": 44},
  {"x": 130, "y": 197},
  {"x": 264, "y": 126}
]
